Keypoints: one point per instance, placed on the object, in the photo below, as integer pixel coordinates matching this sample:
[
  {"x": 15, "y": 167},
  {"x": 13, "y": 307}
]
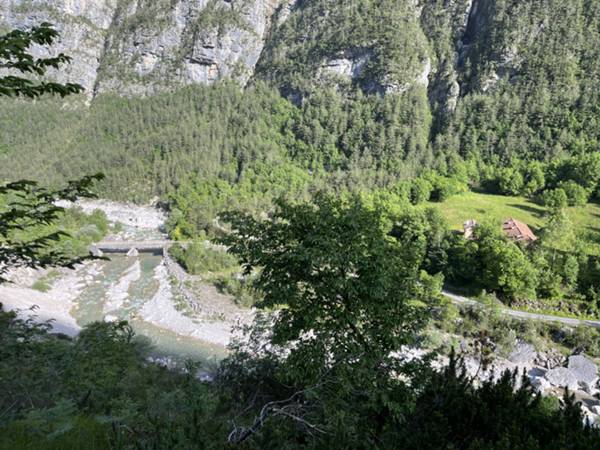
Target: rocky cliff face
[
  {"x": 83, "y": 25},
  {"x": 152, "y": 44},
  {"x": 140, "y": 47}
]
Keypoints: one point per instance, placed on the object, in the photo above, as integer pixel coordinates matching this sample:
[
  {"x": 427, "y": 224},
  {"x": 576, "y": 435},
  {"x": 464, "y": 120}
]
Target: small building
[
  {"x": 469, "y": 229},
  {"x": 518, "y": 231}
]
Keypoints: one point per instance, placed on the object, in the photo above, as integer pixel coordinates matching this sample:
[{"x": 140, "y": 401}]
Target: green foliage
[
  {"x": 496, "y": 415},
  {"x": 544, "y": 56},
  {"x": 27, "y": 211},
  {"x": 446, "y": 187},
  {"x": 504, "y": 267},
  {"x": 420, "y": 191},
  {"x": 535, "y": 179},
  {"x": 223, "y": 144},
  {"x": 510, "y": 181},
  {"x": 495, "y": 263},
  {"x": 576, "y": 195},
  {"x": 554, "y": 199},
  {"x": 240, "y": 288},
  {"x": 196, "y": 204},
  {"x": 198, "y": 258},
  {"x": 14, "y": 55},
  {"x": 33, "y": 229},
  {"x": 341, "y": 278},
  {"x": 96, "y": 391},
  {"x": 363, "y": 30}
]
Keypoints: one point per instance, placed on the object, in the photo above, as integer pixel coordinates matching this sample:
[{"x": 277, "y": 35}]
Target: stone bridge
[{"x": 156, "y": 247}]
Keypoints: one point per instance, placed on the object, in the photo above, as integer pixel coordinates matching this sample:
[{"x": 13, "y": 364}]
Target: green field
[{"x": 497, "y": 208}]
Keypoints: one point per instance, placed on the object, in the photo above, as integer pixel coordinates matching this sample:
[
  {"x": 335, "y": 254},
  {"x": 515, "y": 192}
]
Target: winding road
[{"x": 459, "y": 299}]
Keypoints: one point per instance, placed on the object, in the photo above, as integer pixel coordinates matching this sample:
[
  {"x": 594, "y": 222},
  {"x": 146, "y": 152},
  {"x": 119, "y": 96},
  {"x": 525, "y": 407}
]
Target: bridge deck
[{"x": 125, "y": 246}]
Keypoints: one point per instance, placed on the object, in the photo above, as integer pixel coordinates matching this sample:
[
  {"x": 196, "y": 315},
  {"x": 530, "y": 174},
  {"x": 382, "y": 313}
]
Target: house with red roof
[{"x": 518, "y": 231}]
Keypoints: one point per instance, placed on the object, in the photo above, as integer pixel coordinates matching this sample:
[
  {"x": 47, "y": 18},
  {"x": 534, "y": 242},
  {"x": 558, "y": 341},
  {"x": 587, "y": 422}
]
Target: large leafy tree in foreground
[
  {"x": 24, "y": 206},
  {"x": 349, "y": 294},
  {"x": 347, "y": 289}
]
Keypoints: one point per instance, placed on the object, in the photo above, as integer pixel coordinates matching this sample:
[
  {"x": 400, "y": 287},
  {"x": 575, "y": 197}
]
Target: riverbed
[{"x": 133, "y": 288}]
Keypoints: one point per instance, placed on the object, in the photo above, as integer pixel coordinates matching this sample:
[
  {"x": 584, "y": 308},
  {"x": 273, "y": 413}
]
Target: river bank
[
  {"x": 143, "y": 289},
  {"x": 53, "y": 306}
]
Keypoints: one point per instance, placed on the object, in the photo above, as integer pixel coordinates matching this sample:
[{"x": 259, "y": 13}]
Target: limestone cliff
[
  {"x": 141, "y": 46},
  {"x": 137, "y": 47}
]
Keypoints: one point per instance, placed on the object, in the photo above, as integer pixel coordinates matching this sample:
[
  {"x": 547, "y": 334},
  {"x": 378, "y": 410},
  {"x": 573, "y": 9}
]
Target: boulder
[
  {"x": 584, "y": 369},
  {"x": 550, "y": 360},
  {"x": 96, "y": 252},
  {"x": 523, "y": 354},
  {"x": 563, "y": 378},
  {"x": 589, "y": 389},
  {"x": 536, "y": 372},
  {"x": 540, "y": 384},
  {"x": 133, "y": 252}
]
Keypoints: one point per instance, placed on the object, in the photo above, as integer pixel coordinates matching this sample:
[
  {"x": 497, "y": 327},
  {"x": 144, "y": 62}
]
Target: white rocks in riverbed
[
  {"x": 133, "y": 253},
  {"x": 144, "y": 217},
  {"x": 584, "y": 370},
  {"x": 536, "y": 372},
  {"x": 550, "y": 359},
  {"x": 119, "y": 291},
  {"x": 161, "y": 312},
  {"x": 54, "y": 305},
  {"x": 163, "y": 361},
  {"x": 589, "y": 389},
  {"x": 96, "y": 252},
  {"x": 205, "y": 377},
  {"x": 563, "y": 378}
]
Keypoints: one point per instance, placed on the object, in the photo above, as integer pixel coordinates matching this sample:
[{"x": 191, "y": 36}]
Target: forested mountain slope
[{"x": 372, "y": 90}]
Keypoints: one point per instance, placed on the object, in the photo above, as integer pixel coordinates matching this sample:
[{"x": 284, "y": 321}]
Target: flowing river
[
  {"x": 136, "y": 288},
  {"x": 123, "y": 288}
]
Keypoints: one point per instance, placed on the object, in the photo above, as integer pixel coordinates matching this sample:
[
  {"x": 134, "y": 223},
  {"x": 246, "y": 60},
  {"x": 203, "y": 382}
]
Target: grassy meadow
[{"x": 497, "y": 208}]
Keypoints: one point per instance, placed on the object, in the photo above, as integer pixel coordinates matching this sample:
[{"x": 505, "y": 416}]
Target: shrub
[
  {"x": 535, "y": 179},
  {"x": 554, "y": 198},
  {"x": 197, "y": 258},
  {"x": 445, "y": 187},
  {"x": 240, "y": 289},
  {"x": 576, "y": 195},
  {"x": 510, "y": 181},
  {"x": 420, "y": 191}
]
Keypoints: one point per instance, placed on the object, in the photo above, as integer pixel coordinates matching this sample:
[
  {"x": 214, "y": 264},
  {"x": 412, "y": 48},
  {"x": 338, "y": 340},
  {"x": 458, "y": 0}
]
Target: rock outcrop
[
  {"x": 562, "y": 377},
  {"x": 83, "y": 27},
  {"x": 152, "y": 46},
  {"x": 143, "y": 46},
  {"x": 584, "y": 370},
  {"x": 137, "y": 47},
  {"x": 447, "y": 49}
]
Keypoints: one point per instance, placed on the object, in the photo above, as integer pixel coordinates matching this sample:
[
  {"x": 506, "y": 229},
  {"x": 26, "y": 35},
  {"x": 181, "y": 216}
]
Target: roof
[{"x": 518, "y": 231}]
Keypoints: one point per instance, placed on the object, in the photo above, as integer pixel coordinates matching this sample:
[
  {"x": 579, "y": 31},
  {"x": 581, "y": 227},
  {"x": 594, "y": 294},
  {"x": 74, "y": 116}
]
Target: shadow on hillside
[
  {"x": 535, "y": 210},
  {"x": 593, "y": 234}
]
